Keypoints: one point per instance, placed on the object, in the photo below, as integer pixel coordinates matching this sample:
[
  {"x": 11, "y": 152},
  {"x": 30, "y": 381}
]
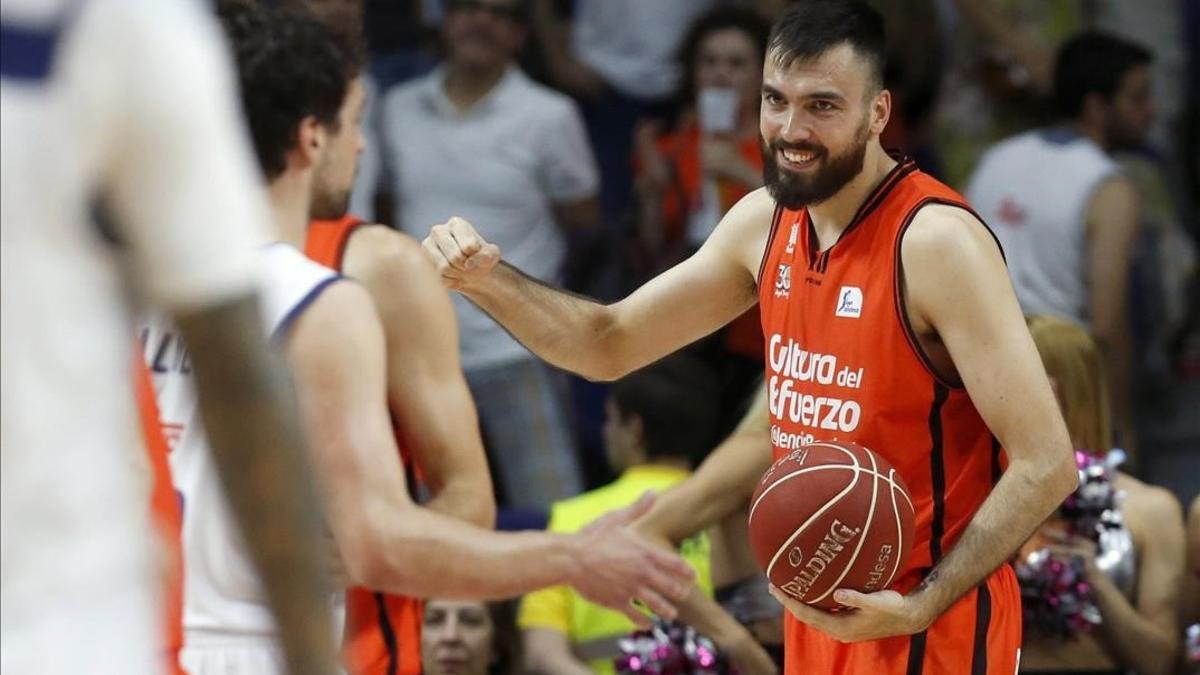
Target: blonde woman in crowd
[{"x": 1135, "y": 585}]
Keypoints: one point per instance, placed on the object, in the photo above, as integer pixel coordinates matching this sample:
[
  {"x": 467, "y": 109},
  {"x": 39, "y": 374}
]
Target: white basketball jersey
[
  {"x": 131, "y": 103},
  {"x": 222, "y": 592},
  {"x": 1034, "y": 190}
]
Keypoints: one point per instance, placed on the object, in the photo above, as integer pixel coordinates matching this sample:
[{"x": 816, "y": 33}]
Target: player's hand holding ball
[
  {"x": 832, "y": 526},
  {"x": 460, "y": 254}
]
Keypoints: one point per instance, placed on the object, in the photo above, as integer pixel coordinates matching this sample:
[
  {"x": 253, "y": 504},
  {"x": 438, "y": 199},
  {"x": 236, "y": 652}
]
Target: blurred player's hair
[
  {"x": 291, "y": 66},
  {"x": 807, "y": 30},
  {"x": 677, "y": 400},
  {"x": 1073, "y": 361},
  {"x": 1093, "y": 63}
]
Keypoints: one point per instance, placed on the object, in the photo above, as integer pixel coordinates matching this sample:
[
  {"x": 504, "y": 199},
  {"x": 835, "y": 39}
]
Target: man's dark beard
[{"x": 795, "y": 191}]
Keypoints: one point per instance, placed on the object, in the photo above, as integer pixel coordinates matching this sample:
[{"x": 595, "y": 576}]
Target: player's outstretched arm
[
  {"x": 603, "y": 342},
  {"x": 387, "y": 542},
  {"x": 425, "y": 385},
  {"x": 956, "y": 285},
  {"x": 260, "y": 454}
]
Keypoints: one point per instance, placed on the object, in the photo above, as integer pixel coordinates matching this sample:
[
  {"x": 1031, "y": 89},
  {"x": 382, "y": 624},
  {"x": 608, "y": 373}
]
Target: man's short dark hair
[
  {"x": 1093, "y": 63},
  {"x": 808, "y": 29},
  {"x": 677, "y": 400},
  {"x": 290, "y": 66}
]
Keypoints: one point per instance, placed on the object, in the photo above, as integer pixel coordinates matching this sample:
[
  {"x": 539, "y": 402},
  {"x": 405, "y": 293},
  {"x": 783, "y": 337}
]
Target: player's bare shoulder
[
  {"x": 376, "y": 250},
  {"x": 743, "y": 231},
  {"x": 939, "y": 230}
]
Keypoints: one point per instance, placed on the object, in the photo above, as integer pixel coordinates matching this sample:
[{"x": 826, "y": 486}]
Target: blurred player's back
[{"x": 81, "y": 116}]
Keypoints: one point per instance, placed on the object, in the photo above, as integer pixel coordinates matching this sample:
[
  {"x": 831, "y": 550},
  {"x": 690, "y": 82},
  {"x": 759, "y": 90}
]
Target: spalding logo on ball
[{"x": 831, "y": 515}]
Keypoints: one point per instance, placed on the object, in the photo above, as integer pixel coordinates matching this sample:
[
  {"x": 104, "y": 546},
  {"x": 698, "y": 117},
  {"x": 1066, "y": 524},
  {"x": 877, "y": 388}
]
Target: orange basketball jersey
[
  {"x": 843, "y": 363},
  {"x": 164, "y": 512},
  {"x": 383, "y": 632}
]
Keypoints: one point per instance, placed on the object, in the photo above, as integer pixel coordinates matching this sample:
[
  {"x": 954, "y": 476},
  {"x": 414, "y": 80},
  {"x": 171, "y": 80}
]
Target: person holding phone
[{"x": 687, "y": 179}]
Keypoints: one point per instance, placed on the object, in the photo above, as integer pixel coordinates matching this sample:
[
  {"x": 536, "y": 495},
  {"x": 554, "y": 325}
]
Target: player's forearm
[
  {"x": 1025, "y": 496},
  {"x": 1131, "y": 639},
  {"x": 568, "y": 331},
  {"x": 415, "y": 551},
  {"x": 259, "y": 453}
]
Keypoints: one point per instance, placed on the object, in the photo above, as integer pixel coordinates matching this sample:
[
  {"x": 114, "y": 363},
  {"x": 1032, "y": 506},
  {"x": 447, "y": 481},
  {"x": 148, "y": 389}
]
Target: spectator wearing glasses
[{"x": 478, "y": 138}]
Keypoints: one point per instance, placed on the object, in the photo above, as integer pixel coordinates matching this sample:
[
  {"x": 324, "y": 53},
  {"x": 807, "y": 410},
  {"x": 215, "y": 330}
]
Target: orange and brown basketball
[{"x": 831, "y": 515}]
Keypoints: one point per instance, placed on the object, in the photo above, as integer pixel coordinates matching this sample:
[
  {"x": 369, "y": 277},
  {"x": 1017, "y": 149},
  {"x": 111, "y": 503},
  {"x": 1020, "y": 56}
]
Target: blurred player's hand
[
  {"x": 461, "y": 256},
  {"x": 615, "y": 566}
]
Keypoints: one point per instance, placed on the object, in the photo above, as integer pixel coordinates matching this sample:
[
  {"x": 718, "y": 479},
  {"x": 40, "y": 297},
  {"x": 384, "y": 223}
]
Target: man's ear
[
  {"x": 310, "y": 141},
  {"x": 881, "y": 111}
]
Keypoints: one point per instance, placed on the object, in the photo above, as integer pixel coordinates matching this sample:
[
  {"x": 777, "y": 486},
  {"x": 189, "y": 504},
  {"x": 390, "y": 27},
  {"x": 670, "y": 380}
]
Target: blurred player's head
[
  {"x": 665, "y": 412},
  {"x": 469, "y": 637},
  {"x": 1075, "y": 367},
  {"x": 725, "y": 48},
  {"x": 483, "y": 34},
  {"x": 823, "y": 99},
  {"x": 1104, "y": 81},
  {"x": 303, "y": 97}
]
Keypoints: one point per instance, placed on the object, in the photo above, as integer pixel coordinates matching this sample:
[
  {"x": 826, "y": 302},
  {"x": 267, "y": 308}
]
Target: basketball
[{"x": 831, "y": 515}]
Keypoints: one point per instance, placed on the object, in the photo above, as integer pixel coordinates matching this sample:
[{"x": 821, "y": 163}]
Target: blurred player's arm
[
  {"x": 1143, "y": 636},
  {"x": 182, "y": 186},
  {"x": 978, "y": 319},
  {"x": 1112, "y": 226},
  {"x": 604, "y": 342},
  {"x": 426, "y": 388},
  {"x": 391, "y": 544}
]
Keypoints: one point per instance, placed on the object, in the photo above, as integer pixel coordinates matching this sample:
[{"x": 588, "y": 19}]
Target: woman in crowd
[
  {"x": 467, "y": 637},
  {"x": 687, "y": 179},
  {"x": 1134, "y": 571}
]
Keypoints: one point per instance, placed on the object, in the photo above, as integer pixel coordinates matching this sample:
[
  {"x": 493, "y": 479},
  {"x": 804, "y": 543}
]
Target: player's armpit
[
  {"x": 957, "y": 288},
  {"x": 433, "y": 407}
]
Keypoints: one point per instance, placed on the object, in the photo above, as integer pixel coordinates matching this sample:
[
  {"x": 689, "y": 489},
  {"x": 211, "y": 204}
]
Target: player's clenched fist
[{"x": 460, "y": 254}]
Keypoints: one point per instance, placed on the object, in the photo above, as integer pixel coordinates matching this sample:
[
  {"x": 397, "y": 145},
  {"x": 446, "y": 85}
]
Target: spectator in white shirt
[{"x": 478, "y": 139}]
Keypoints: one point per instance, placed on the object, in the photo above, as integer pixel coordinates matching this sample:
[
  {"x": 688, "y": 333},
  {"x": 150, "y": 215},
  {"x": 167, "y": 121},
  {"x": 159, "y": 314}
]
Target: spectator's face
[
  {"x": 334, "y": 175},
  {"x": 816, "y": 119},
  {"x": 729, "y": 58},
  {"x": 456, "y": 638},
  {"x": 1130, "y": 112},
  {"x": 482, "y": 33}
]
